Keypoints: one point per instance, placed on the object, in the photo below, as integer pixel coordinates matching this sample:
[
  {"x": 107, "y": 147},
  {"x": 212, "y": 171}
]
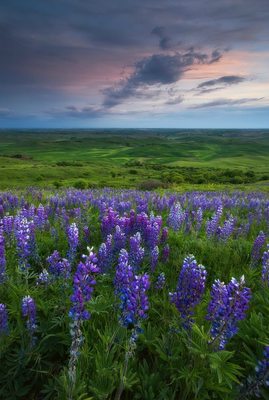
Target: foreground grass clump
[{"x": 124, "y": 294}]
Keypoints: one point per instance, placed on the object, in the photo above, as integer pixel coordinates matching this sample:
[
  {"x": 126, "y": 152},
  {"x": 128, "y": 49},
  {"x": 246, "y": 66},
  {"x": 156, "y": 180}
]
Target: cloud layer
[{"x": 130, "y": 56}]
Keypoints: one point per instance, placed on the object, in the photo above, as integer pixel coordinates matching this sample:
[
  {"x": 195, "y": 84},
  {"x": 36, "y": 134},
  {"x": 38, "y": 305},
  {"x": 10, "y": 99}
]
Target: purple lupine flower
[
  {"x": 86, "y": 233},
  {"x": 154, "y": 257},
  {"x": 257, "y": 248},
  {"x": 29, "y": 312},
  {"x": 58, "y": 267},
  {"x": 43, "y": 278},
  {"x": 103, "y": 257},
  {"x": 73, "y": 241},
  {"x": 153, "y": 234},
  {"x": 124, "y": 271},
  {"x": 166, "y": 253},
  {"x": 136, "y": 251},
  {"x": 105, "y": 254},
  {"x": 164, "y": 235},
  {"x": 213, "y": 223},
  {"x": 132, "y": 291},
  {"x": 119, "y": 239},
  {"x": 265, "y": 267},
  {"x": 176, "y": 217},
  {"x": 8, "y": 224},
  {"x": 83, "y": 284},
  {"x": 3, "y": 275},
  {"x": 41, "y": 218},
  {"x": 3, "y": 319},
  {"x": 227, "y": 229},
  {"x": 190, "y": 289},
  {"x": 229, "y": 304},
  {"x": 159, "y": 285},
  {"x": 199, "y": 219},
  {"x": 25, "y": 240},
  {"x": 254, "y": 383},
  {"x": 109, "y": 221}
]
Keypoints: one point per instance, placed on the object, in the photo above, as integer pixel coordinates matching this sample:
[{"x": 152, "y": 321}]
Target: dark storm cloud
[
  {"x": 226, "y": 102},
  {"x": 223, "y": 80},
  {"x": 158, "y": 69},
  {"x": 165, "y": 42}
]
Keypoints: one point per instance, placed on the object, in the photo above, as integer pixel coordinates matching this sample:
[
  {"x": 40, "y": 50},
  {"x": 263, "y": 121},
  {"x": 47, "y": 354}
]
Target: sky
[{"x": 134, "y": 64}]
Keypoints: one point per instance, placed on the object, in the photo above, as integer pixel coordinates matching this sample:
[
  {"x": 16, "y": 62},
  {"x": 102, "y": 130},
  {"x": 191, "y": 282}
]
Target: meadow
[
  {"x": 143, "y": 159},
  {"x": 127, "y": 294}
]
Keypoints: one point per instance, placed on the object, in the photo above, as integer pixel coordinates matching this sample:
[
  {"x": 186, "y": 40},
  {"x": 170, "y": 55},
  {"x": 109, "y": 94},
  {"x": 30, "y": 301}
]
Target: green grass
[{"x": 109, "y": 158}]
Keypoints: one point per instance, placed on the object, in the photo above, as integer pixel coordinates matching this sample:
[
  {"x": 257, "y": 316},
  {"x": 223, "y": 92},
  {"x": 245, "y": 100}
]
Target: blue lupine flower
[
  {"x": 58, "y": 267},
  {"x": 154, "y": 256},
  {"x": 73, "y": 241},
  {"x": 137, "y": 252},
  {"x": 3, "y": 275},
  {"x": 229, "y": 304},
  {"x": 176, "y": 217},
  {"x": 190, "y": 289},
  {"x": 3, "y": 319},
  {"x": 83, "y": 284},
  {"x": 213, "y": 223},
  {"x": 25, "y": 241},
  {"x": 159, "y": 285},
  {"x": 257, "y": 248},
  {"x": 265, "y": 266},
  {"x": 43, "y": 278},
  {"x": 132, "y": 292},
  {"x": 29, "y": 312}
]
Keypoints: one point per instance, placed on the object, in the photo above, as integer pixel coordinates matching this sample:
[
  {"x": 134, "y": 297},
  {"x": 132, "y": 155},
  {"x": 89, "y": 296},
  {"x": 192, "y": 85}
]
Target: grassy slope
[{"x": 100, "y": 157}]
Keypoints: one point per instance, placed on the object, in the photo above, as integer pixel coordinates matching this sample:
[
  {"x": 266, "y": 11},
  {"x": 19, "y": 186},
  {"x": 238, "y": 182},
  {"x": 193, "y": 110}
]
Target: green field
[{"x": 134, "y": 158}]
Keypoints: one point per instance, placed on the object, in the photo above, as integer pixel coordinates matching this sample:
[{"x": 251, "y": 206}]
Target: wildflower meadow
[{"x": 128, "y": 294}]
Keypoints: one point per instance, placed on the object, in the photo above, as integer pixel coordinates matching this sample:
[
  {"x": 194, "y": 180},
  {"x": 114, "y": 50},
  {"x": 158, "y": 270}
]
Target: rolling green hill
[{"x": 131, "y": 158}]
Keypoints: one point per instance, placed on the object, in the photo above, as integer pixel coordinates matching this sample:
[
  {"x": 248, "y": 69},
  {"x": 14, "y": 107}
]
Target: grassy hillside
[{"x": 129, "y": 158}]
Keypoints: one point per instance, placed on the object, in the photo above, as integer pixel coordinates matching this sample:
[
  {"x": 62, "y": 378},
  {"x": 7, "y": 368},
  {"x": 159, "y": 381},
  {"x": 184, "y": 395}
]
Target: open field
[{"x": 131, "y": 158}]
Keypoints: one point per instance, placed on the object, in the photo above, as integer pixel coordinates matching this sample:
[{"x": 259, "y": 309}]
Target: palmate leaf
[
  {"x": 227, "y": 372},
  {"x": 197, "y": 343},
  {"x": 100, "y": 305},
  {"x": 152, "y": 385}
]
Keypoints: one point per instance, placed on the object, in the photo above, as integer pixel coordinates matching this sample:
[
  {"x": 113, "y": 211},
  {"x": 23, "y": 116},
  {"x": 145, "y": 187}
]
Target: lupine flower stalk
[
  {"x": 254, "y": 383},
  {"x": 166, "y": 253},
  {"x": 176, "y": 217},
  {"x": 190, "y": 289},
  {"x": 229, "y": 304},
  {"x": 58, "y": 267},
  {"x": 136, "y": 251},
  {"x": 43, "y": 278},
  {"x": 24, "y": 240},
  {"x": 132, "y": 291},
  {"x": 159, "y": 285},
  {"x": 265, "y": 267},
  {"x": 227, "y": 229},
  {"x": 257, "y": 248},
  {"x": 29, "y": 312},
  {"x": 73, "y": 241},
  {"x": 3, "y": 319},
  {"x": 83, "y": 285},
  {"x": 213, "y": 223},
  {"x": 3, "y": 276}
]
